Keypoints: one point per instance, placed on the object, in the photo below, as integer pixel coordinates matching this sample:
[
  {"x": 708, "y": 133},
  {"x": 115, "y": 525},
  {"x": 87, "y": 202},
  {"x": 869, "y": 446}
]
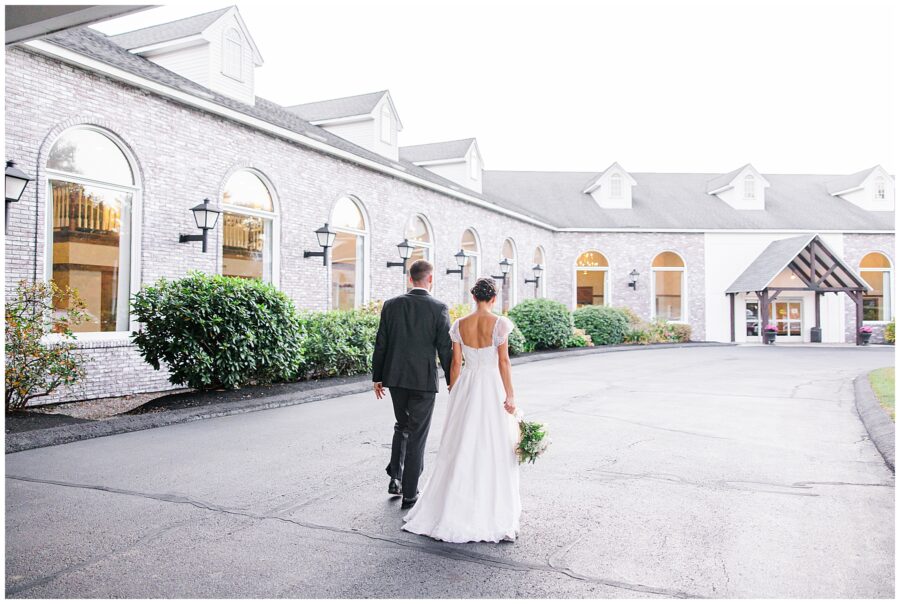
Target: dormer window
[
  {"x": 879, "y": 188},
  {"x": 615, "y": 186},
  {"x": 386, "y": 123},
  {"x": 749, "y": 187},
  {"x": 232, "y": 54},
  {"x": 473, "y": 165}
]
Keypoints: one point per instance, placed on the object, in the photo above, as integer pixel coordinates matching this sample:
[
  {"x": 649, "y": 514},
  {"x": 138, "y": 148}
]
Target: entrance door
[{"x": 786, "y": 316}]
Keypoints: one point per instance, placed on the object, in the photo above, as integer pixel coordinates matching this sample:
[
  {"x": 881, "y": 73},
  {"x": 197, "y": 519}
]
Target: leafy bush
[
  {"x": 637, "y": 335},
  {"x": 458, "y": 311},
  {"x": 633, "y": 319},
  {"x": 544, "y": 323},
  {"x": 680, "y": 332},
  {"x": 516, "y": 342},
  {"x": 577, "y": 340},
  {"x": 889, "y": 332},
  {"x": 214, "y": 331},
  {"x": 604, "y": 324},
  {"x": 337, "y": 342},
  {"x": 34, "y": 367}
]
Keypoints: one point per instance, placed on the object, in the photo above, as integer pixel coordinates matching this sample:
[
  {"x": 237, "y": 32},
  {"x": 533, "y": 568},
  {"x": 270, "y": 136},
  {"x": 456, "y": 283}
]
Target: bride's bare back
[{"x": 477, "y": 329}]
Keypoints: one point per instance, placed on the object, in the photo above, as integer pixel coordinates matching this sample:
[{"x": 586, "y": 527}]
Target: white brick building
[{"x": 125, "y": 134}]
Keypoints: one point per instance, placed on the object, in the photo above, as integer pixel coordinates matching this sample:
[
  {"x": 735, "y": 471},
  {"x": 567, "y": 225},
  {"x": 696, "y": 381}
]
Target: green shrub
[
  {"x": 337, "y": 342},
  {"x": 637, "y": 335},
  {"x": 680, "y": 332},
  {"x": 633, "y": 319},
  {"x": 544, "y": 323},
  {"x": 577, "y": 340},
  {"x": 604, "y": 324},
  {"x": 458, "y": 311},
  {"x": 516, "y": 342},
  {"x": 217, "y": 332},
  {"x": 35, "y": 367},
  {"x": 889, "y": 333}
]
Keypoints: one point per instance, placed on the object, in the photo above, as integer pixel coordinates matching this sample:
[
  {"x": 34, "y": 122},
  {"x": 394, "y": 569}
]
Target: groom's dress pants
[{"x": 412, "y": 410}]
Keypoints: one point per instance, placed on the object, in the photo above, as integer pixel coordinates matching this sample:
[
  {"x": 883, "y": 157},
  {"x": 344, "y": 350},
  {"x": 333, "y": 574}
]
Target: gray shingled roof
[
  {"x": 851, "y": 181},
  {"x": 360, "y": 104},
  {"x": 680, "y": 201},
  {"x": 182, "y": 28},
  {"x": 718, "y": 182},
  {"x": 437, "y": 151},
  {"x": 779, "y": 254}
]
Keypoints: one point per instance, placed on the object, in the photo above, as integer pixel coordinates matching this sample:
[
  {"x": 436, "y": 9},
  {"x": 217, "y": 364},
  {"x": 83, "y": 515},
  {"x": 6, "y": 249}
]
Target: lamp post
[
  {"x": 325, "y": 237},
  {"x": 634, "y": 275},
  {"x": 461, "y": 260},
  {"x": 504, "y": 270},
  {"x": 16, "y": 181},
  {"x": 206, "y": 216},
  {"x": 537, "y": 269},
  {"x": 405, "y": 251}
]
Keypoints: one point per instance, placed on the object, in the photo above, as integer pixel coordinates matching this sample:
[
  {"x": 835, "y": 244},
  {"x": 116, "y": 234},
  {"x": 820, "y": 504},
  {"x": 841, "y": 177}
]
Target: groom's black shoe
[
  {"x": 408, "y": 503},
  {"x": 394, "y": 487}
]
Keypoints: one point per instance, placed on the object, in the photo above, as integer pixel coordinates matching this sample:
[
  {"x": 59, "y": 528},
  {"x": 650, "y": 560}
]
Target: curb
[
  {"x": 876, "y": 421},
  {"x": 60, "y": 435}
]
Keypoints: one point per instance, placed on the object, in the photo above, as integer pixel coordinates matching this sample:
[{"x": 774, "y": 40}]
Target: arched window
[
  {"x": 348, "y": 255},
  {"x": 879, "y": 188},
  {"x": 591, "y": 284},
  {"x": 875, "y": 268},
  {"x": 248, "y": 228},
  {"x": 233, "y": 54},
  {"x": 471, "y": 246},
  {"x": 508, "y": 287},
  {"x": 667, "y": 287},
  {"x": 386, "y": 123},
  {"x": 93, "y": 192},
  {"x": 541, "y": 288},
  {"x": 418, "y": 235},
  {"x": 615, "y": 186},
  {"x": 749, "y": 187}
]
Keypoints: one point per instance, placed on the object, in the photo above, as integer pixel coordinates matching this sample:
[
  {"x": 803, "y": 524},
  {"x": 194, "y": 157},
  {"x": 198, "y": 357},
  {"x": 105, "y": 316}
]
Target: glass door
[{"x": 786, "y": 316}]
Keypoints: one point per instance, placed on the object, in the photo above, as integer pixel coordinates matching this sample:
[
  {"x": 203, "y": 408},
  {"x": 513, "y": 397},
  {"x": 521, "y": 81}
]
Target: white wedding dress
[{"x": 473, "y": 493}]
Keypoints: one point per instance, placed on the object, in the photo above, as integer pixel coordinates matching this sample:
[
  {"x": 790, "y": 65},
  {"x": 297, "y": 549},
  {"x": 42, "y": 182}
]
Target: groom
[{"x": 414, "y": 329}]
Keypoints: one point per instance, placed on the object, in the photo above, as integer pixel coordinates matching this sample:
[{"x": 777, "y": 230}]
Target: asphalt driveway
[{"x": 716, "y": 472}]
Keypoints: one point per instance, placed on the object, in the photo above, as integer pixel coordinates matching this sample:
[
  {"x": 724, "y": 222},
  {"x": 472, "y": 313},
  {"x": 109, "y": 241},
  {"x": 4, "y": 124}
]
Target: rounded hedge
[
  {"x": 544, "y": 323},
  {"x": 218, "y": 332},
  {"x": 605, "y": 325},
  {"x": 337, "y": 342}
]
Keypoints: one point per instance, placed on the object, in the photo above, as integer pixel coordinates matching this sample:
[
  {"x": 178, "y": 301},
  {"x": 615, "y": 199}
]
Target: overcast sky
[{"x": 793, "y": 87}]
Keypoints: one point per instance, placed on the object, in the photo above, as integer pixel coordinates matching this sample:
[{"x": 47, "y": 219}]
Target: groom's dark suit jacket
[{"x": 415, "y": 327}]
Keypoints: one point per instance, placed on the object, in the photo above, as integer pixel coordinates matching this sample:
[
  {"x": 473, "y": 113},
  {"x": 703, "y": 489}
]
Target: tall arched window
[
  {"x": 248, "y": 228},
  {"x": 386, "y": 123},
  {"x": 509, "y": 285},
  {"x": 875, "y": 268},
  {"x": 418, "y": 235},
  {"x": 348, "y": 255},
  {"x": 615, "y": 186},
  {"x": 541, "y": 289},
  {"x": 667, "y": 287},
  {"x": 93, "y": 192},
  {"x": 591, "y": 283},
  {"x": 471, "y": 246},
  {"x": 749, "y": 187},
  {"x": 233, "y": 54}
]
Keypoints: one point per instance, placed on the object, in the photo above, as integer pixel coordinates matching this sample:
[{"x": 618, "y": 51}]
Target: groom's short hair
[{"x": 419, "y": 270}]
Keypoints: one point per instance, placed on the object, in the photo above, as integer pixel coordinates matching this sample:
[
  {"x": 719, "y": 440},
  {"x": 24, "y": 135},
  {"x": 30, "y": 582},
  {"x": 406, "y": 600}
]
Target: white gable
[
  {"x": 612, "y": 188},
  {"x": 743, "y": 189},
  {"x": 873, "y": 191},
  {"x": 377, "y": 130}
]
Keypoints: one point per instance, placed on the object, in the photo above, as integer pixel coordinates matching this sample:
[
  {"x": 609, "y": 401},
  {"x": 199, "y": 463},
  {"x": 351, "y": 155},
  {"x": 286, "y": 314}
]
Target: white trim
[
  {"x": 274, "y": 217},
  {"x": 684, "y": 288},
  {"x": 440, "y": 162},
  {"x": 75, "y": 58},
  {"x": 176, "y": 44},
  {"x": 363, "y": 295},
  {"x": 797, "y": 232},
  {"x": 342, "y": 120},
  {"x": 513, "y": 272},
  {"x": 606, "y": 279},
  {"x": 888, "y": 294}
]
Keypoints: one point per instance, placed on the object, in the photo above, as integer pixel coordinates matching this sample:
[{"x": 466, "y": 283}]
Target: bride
[{"x": 473, "y": 494}]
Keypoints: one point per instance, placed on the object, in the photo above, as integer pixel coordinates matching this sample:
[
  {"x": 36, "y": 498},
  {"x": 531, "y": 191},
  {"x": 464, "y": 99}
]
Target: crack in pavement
[
  {"x": 436, "y": 548},
  {"x": 652, "y": 426}
]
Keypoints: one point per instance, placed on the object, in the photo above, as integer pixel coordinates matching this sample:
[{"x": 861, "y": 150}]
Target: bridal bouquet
[{"x": 533, "y": 440}]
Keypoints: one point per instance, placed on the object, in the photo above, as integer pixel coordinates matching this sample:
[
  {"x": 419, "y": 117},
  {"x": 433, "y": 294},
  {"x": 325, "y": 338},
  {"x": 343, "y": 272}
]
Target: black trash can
[{"x": 815, "y": 334}]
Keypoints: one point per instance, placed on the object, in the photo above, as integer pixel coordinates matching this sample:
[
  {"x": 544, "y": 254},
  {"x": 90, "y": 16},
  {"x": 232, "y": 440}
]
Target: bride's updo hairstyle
[{"x": 485, "y": 289}]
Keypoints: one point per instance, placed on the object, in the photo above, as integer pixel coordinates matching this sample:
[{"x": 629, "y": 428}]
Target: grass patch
[{"x": 882, "y": 381}]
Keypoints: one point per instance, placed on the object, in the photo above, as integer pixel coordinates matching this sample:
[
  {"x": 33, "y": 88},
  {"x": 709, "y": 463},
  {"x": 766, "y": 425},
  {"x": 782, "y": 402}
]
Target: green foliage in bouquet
[{"x": 533, "y": 441}]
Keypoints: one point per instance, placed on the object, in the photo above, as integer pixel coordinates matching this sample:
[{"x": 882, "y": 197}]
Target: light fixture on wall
[
  {"x": 461, "y": 259},
  {"x": 634, "y": 275},
  {"x": 206, "y": 216},
  {"x": 325, "y": 237},
  {"x": 405, "y": 251},
  {"x": 16, "y": 181},
  {"x": 504, "y": 270},
  {"x": 537, "y": 269}
]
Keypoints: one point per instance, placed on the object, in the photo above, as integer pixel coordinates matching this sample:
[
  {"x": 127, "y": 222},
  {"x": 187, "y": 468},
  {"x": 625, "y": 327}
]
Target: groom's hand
[{"x": 379, "y": 390}]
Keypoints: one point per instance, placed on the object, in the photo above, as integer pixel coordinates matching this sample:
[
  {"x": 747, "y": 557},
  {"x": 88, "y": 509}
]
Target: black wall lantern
[
  {"x": 504, "y": 269},
  {"x": 461, "y": 259},
  {"x": 206, "y": 216},
  {"x": 16, "y": 181},
  {"x": 405, "y": 250},
  {"x": 537, "y": 269},
  {"x": 634, "y": 275},
  {"x": 325, "y": 236}
]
